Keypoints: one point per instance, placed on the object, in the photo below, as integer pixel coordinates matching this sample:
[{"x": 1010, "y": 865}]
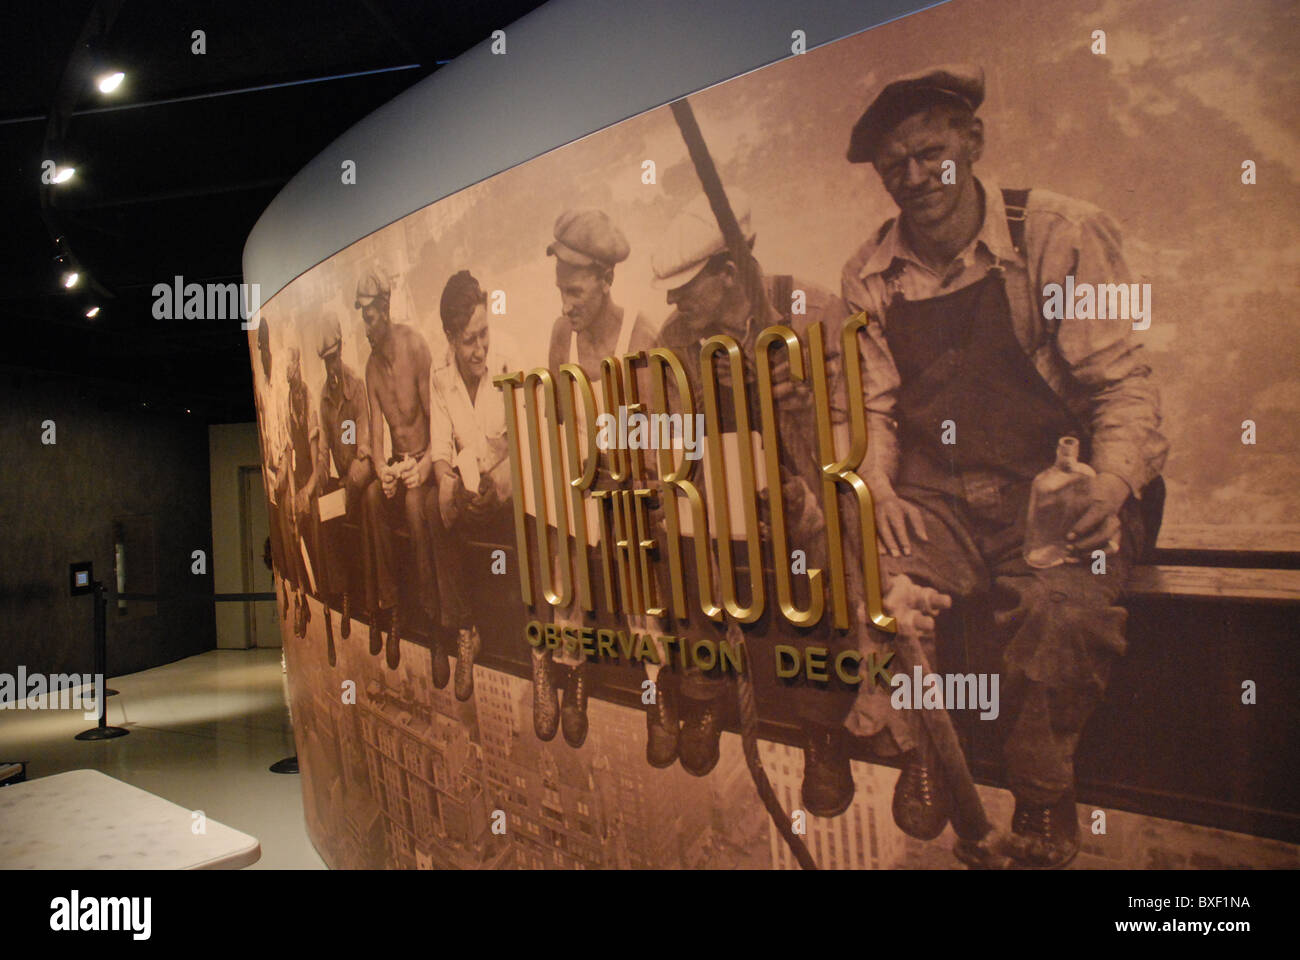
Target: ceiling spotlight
[
  {"x": 64, "y": 174},
  {"x": 92, "y": 313},
  {"x": 111, "y": 81},
  {"x": 71, "y": 278}
]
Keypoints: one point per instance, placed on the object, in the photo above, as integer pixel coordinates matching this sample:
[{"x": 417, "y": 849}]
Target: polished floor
[{"x": 204, "y": 731}]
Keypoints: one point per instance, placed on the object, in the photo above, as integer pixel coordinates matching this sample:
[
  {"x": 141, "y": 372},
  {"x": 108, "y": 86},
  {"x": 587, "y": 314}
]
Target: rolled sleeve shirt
[
  {"x": 1097, "y": 367},
  {"x": 477, "y": 423}
]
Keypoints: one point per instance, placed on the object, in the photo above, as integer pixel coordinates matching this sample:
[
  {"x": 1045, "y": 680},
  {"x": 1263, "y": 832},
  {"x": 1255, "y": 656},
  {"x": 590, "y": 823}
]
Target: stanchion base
[
  {"x": 287, "y": 765},
  {"x": 102, "y": 733}
]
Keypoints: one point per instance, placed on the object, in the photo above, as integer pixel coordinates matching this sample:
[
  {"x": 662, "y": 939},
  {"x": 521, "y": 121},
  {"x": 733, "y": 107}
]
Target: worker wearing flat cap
[
  {"x": 970, "y": 382},
  {"x": 345, "y": 439},
  {"x": 587, "y": 246},
  {"x": 701, "y": 280},
  {"x": 591, "y": 326}
]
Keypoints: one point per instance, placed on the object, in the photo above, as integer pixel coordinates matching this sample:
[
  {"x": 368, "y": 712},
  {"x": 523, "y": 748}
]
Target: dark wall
[{"x": 112, "y": 459}]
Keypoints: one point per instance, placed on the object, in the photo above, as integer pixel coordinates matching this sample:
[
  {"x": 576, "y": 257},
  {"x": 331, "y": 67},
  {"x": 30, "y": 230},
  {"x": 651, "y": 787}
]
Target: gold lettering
[
  {"x": 843, "y": 470},
  {"x": 555, "y": 573},
  {"x": 506, "y": 383},
  {"x": 718, "y": 472},
  {"x": 676, "y": 479},
  {"x": 771, "y": 454},
  {"x": 581, "y": 475}
]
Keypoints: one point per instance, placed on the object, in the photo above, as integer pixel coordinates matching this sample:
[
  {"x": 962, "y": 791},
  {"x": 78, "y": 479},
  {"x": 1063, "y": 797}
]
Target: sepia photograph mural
[{"x": 841, "y": 467}]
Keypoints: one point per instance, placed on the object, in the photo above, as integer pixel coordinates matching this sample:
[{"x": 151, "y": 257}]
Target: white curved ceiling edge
[{"x": 571, "y": 67}]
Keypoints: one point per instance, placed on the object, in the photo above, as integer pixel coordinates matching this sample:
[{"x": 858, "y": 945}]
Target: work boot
[
  {"x": 698, "y": 743},
  {"x": 467, "y": 647},
  {"x": 441, "y": 666},
  {"x": 920, "y": 801},
  {"x": 546, "y": 704},
  {"x": 393, "y": 650},
  {"x": 573, "y": 716},
  {"x": 993, "y": 852},
  {"x": 827, "y": 778},
  {"x": 329, "y": 638},
  {"x": 1045, "y": 836},
  {"x": 662, "y": 728},
  {"x": 345, "y": 617},
  {"x": 377, "y": 631}
]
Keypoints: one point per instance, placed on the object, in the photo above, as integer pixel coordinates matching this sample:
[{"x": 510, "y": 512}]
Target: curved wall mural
[{"x": 577, "y": 475}]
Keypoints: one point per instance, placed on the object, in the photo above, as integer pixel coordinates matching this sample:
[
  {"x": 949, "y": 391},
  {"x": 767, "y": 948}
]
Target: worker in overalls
[{"x": 968, "y": 389}]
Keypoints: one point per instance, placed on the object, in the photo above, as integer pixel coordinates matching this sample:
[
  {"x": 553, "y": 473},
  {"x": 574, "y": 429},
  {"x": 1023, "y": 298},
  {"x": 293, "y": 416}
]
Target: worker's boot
[
  {"x": 662, "y": 727},
  {"x": 377, "y": 617},
  {"x": 920, "y": 797},
  {"x": 1045, "y": 836},
  {"x": 345, "y": 616},
  {"x": 991, "y": 852},
  {"x": 441, "y": 665},
  {"x": 698, "y": 744},
  {"x": 827, "y": 777},
  {"x": 467, "y": 647},
  {"x": 546, "y": 704},
  {"x": 393, "y": 651},
  {"x": 573, "y": 716}
]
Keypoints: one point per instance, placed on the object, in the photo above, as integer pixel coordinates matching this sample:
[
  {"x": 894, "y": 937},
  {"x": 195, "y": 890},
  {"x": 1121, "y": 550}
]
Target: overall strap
[{"x": 1017, "y": 204}]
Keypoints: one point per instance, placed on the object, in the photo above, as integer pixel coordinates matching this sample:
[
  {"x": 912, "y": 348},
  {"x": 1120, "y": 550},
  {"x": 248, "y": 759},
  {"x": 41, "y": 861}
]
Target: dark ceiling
[{"x": 173, "y": 170}]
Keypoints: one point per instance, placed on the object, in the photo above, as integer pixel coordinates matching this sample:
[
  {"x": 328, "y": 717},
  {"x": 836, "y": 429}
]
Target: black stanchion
[{"x": 102, "y": 731}]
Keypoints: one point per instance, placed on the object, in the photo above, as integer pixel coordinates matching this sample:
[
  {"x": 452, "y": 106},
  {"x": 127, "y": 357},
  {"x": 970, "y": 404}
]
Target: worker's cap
[
  {"x": 588, "y": 238},
  {"x": 329, "y": 334},
  {"x": 371, "y": 287},
  {"x": 692, "y": 239},
  {"x": 900, "y": 98}
]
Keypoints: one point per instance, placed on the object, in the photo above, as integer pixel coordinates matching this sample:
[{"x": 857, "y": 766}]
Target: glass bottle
[{"x": 1058, "y": 497}]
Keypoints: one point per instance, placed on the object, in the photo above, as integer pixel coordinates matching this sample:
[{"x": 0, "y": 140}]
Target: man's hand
[
  {"x": 485, "y": 501},
  {"x": 783, "y": 387},
  {"x": 416, "y": 472},
  {"x": 893, "y": 517},
  {"x": 913, "y": 606},
  {"x": 388, "y": 480},
  {"x": 1100, "y": 522},
  {"x": 302, "y": 503},
  {"x": 358, "y": 473}
]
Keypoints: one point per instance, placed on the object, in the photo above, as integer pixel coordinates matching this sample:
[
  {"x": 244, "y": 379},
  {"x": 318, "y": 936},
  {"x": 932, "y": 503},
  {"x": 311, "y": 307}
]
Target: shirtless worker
[{"x": 397, "y": 387}]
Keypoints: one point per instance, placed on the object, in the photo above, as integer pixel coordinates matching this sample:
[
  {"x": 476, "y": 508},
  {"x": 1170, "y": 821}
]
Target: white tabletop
[{"x": 86, "y": 820}]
